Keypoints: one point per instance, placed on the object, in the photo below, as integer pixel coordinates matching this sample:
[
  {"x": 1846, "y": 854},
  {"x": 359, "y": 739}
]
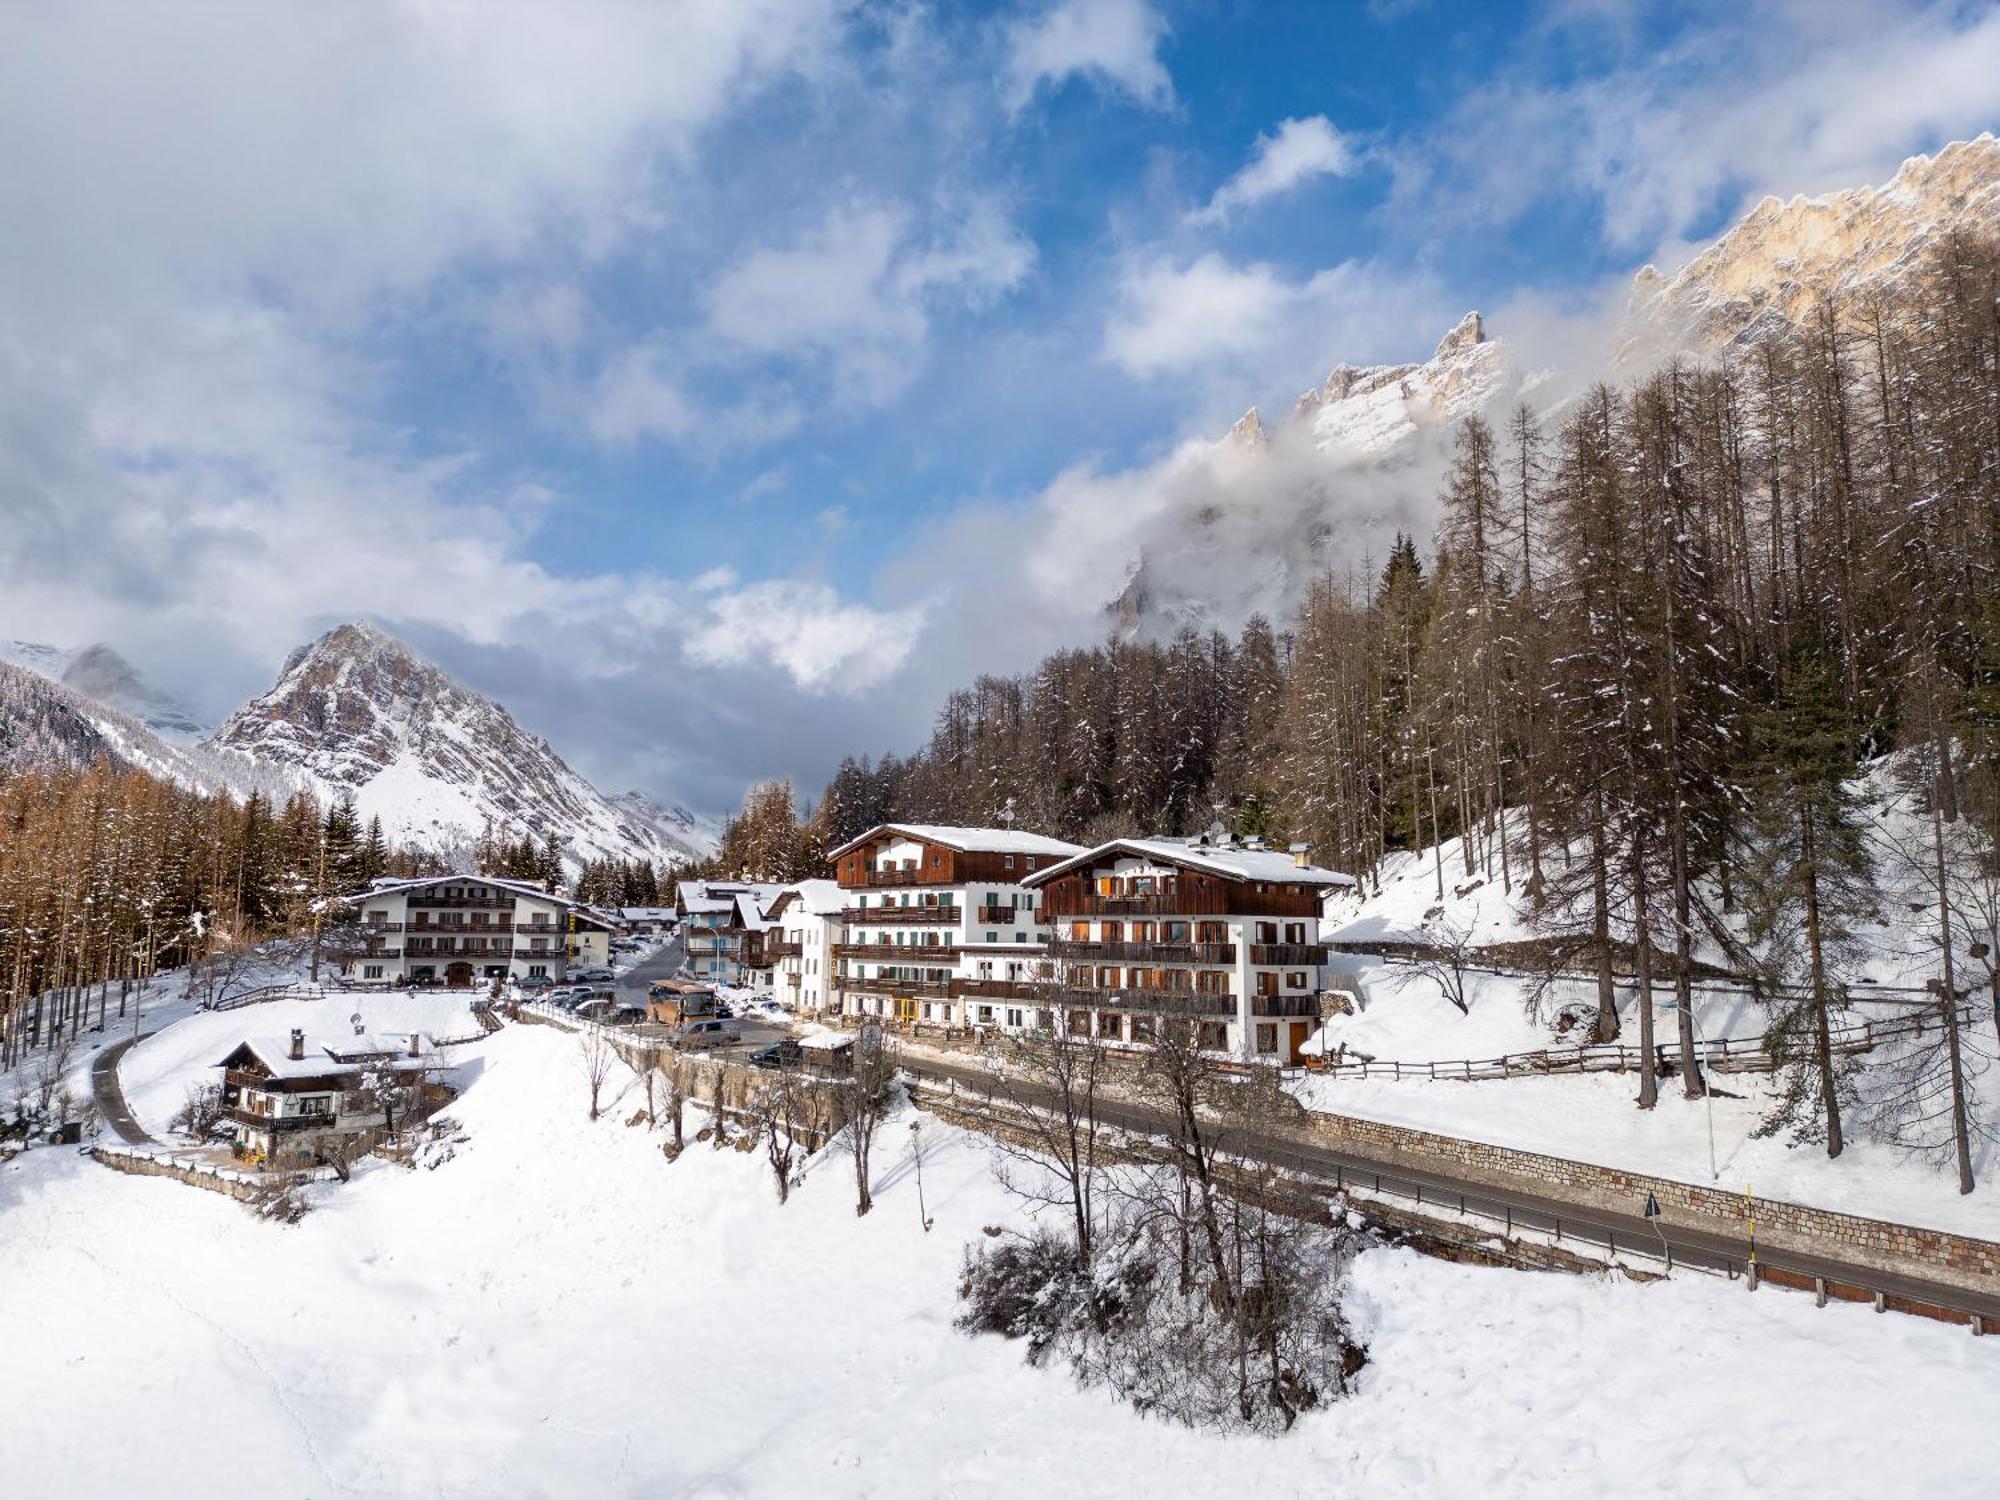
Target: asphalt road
[
  {"x": 110, "y": 1098},
  {"x": 1719, "y": 1252},
  {"x": 660, "y": 965}
]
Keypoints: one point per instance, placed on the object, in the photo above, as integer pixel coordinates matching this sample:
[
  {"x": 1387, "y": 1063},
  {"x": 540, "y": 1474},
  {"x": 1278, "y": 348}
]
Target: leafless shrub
[{"x": 200, "y": 1112}]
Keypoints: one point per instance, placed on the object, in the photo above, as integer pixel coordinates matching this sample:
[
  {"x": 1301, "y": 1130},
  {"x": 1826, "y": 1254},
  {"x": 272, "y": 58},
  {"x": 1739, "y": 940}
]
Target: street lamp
[{"x": 1694, "y": 1016}]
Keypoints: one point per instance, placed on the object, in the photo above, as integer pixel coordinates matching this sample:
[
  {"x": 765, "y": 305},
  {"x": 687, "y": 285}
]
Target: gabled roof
[
  {"x": 274, "y": 1054},
  {"x": 966, "y": 840},
  {"x": 815, "y": 898},
  {"x": 382, "y": 888},
  {"x": 1271, "y": 866}
]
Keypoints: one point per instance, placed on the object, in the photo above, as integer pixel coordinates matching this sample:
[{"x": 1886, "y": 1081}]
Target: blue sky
[{"x": 674, "y": 372}]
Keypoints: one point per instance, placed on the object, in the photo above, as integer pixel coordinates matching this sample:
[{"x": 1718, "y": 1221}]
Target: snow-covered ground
[
  {"x": 1404, "y": 1016},
  {"x": 557, "y": 1310}
]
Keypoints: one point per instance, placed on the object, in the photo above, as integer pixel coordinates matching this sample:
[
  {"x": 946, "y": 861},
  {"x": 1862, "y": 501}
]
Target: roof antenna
[
  {"x": 1218, "y": 831},
  {"x": 1006, "y": 815}
]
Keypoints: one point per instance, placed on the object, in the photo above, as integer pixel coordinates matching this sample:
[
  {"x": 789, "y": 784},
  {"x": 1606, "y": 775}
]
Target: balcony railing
[
  {"x": 875, "y": 879},
  {"x": 920, "y": 989},
  {"x": 474, "y": 928},
  {"x": 1148, "y": 953},
  {"x": 1265, "y": 1007},
  {"x": 1184, "y": 1002},
  {"x": 1288, "y": 953},
  {"x": 773, "y": 951},
  {"x": 537, "y": 952},
  {"x": 460, "y": 950},
  {"x": 915, "y": 953},
  {"x": 469, "y": 903},
  {"x": 281, "y": 1122},
  {"x": 901, "y": 916},
  {"x": 369, "y": 929},
  {"x": 1004, "y": 916},
  {"x": 1001, "y": 989},
  {"x": 373, "y": 952},
  {"x": 1059, "y": 901}
]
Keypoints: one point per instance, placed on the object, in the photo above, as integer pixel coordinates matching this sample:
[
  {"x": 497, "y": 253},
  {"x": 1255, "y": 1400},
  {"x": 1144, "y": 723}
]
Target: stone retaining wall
[
  {"x": 212, "y": 1178},
  {"x": 1900, "y": 1249}
]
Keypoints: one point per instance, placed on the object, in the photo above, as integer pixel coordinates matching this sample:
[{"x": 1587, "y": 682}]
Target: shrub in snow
[{"x": 1249, "y": 1351}]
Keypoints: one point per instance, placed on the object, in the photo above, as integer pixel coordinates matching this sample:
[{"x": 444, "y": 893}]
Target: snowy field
[{"x": 558, "y": 1311}]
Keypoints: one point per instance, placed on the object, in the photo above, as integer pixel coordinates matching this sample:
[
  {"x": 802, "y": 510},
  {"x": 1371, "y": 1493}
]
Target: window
[
  {"x": 992, "y": 937},
  {"x": 1267, "y": 1038},
  {"x": 1295, "y": 932},
  {"x": 985, "y": 1015},
  {"x": 1006, "y": 861},
  {"x": 1013, "y": 1017},
  {"x": 1031, "y": 861},
  {"x": 1109, "y": 1027},
  {"x": 541, "y": 969},
  {"x": 1295, "y": 980},
  {"x": 317, "y": 1105},
  {"x": 371, "y": 971}
]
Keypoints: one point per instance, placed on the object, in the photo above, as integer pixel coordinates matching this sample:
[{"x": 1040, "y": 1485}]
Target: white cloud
[
  {"x": 1297, "y": 151},
  {"x": 1115, "y": 43},
  {"x": 1248, "y": 327},
  {"x": 857, "y": 293},
  {"x": 825, "y": 643},
  {"x": 1781, "y": 97}
]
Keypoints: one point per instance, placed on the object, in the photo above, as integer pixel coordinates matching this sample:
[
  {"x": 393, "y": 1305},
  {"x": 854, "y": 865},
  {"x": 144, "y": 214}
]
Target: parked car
[
  {"x": 781, "y": 1054},
  {"x": 724, "y": 1009},
  {"x": 768, "y": 1008},
  {"x": 595, "y": 976},
  {"x": 697, "y": 1035},
  {"x": 534, "y": 983}
]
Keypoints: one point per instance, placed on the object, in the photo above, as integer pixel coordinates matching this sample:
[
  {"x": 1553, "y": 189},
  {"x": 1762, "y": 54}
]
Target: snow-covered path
[{"x": 559, "y": 1311}]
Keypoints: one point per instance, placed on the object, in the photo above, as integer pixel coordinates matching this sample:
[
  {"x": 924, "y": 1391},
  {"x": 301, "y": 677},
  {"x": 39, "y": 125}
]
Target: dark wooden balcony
[
  {"x": 876, "y": 879},
  {"x": 467, "y": 903},
  {"x": 1294, "y": 1004},
  {"x": 1294, "y": 955},
  {"x": 1004, "y": 989},
  {"x": 370, "y": 929},
  {"x": 776, "y": 951},
  {"x": 534, "y": 952},
  {"x": 902, "y": 916},
  {"x": 1062, "y": 899},
  {"x": 1004, "y": 916},
  {"x": 280, "y": 1122},
  {"x": 908, "y": 989},
  {"x": 1172, "y": 1002},
  {"x": 474, "y": 928},
  {"x": 1147, "y": 953},
  {"x": 905, "y": 953},
  {"x": 371, "y": 951}
]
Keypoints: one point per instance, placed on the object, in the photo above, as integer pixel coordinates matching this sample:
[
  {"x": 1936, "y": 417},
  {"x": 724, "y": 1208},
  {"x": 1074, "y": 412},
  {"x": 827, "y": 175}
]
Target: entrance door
[{"x": 458, "y": 975}]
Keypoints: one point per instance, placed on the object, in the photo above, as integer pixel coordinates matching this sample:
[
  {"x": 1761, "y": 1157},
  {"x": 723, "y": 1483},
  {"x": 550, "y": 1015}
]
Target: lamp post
[{"x": 1714, "y": 1172}]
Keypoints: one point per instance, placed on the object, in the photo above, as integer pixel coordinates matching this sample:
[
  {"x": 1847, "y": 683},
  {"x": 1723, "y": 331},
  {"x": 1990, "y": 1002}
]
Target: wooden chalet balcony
[
  {"x": 280, "y": 1122},
  {"x": 1147, "y": 953},
  {"x": 370, "y": 929},
  {"x": 1002, "y": 989},
  {"x": 907, "y": 953},
  {"x": 784, "y": 950},
  {"x": 371, "y": 951},
  {"x": 474, "y": 928},
  {"x": 1183, "y": 1002},
  {"x": 876, "y": 879},
  {"x": 901, "y": 916},
  {"x": 1288, "y": 953},
  {"x": 1004, "y": 916},
  {"x": 534, "y": 952},
  {"x": 468, "y": 903},
  {"x": 416, "y": 948},
  {"x": 909, "y": 989},
  {"x": 1060, "y": 901},
  {"x": 1264, "y": 1007}
]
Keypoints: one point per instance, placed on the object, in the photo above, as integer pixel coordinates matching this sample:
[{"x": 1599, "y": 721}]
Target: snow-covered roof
[
  {"x": 274, "y": 1053},
  {"x": 705, "y": 897},
  {"x": 967, "y": 840},
  {"x": 816, "y": 898},
  {"x": 375, "y": 1046},
  {"x": 1232, "y": 863},
  {"x": 647, "y": 913},
  {"x": 387, "y": 887},
  {"x": 827, "y": 1041}
]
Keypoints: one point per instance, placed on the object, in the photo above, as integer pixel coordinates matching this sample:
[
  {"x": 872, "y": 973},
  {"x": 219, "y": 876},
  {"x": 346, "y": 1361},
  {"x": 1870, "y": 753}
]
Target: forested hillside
[{"x": 107, "y": 875}]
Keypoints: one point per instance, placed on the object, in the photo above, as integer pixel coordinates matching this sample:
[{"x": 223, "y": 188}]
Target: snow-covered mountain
[
  {"x": 1245, "y": 523},
  {"x": 102, "y": 675},
  {"x": 44, "y": 725},
  {"x": 360, "y": 714}
]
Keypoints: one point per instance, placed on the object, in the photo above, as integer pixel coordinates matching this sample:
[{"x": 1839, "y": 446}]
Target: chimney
[
  {"x": 1299, "y": 852},
  {"x": 298, "y": 1045},
  {"x": 413, "y": 1044}
]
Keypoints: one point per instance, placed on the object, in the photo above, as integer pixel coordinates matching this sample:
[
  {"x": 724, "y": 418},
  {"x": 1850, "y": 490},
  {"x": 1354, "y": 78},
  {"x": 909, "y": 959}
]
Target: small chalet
[{"x": 288, "y": 1098}]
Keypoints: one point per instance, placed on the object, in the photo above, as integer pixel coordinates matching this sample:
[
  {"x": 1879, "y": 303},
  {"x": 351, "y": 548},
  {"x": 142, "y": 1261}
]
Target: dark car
[{"x": 783, "y": 1054}]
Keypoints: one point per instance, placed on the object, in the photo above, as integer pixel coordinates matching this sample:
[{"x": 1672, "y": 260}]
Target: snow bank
[{"x": 559, "y": 1311}]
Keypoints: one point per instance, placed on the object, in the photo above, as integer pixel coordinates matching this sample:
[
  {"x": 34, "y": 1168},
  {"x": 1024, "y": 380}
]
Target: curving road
[{"x": 110, "y": 1098}]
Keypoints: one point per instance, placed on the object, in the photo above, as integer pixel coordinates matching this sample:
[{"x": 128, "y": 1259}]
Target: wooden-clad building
[
  {"x": 1222, "y": 932},
  {"x": 939, "y": 924}
]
